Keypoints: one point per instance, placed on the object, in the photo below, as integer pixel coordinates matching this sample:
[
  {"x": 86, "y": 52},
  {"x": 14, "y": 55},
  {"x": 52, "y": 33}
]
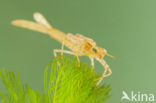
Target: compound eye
[{"x": 94, "y": 50}]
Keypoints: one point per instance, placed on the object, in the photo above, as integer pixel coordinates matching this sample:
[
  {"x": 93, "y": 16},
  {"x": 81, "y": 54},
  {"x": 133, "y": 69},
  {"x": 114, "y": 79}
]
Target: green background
[{"x": 126, "y": 28}]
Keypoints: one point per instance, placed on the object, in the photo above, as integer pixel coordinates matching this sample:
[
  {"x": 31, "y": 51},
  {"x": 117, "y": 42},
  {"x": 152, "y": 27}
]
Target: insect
[{"x": 79, "y": 45}]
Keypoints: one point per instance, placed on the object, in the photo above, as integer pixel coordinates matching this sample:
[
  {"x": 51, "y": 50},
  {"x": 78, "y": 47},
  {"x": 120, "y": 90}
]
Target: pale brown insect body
[{"x": 78, "y": 44}]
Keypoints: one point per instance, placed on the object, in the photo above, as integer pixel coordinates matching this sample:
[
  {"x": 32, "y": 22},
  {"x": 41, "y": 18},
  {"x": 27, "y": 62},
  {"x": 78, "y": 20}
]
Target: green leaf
[{"x": 64, "y": 82}]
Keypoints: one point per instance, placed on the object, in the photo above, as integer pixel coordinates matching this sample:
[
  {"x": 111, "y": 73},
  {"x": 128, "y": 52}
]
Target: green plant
[{"x": 64, "y": 82}]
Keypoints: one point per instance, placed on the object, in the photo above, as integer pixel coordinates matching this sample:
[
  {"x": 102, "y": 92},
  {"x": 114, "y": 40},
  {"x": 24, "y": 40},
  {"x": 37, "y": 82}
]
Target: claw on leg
[
  {"x": 79, "y": 64},
  {"x": 59, "y": 56}
]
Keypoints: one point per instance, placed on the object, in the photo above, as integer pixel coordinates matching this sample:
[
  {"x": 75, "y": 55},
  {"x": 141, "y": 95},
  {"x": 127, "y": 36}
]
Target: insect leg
[
  {"x": 92, "y": 61},
  {"x": 68, "y": 52},
  {"x": 106, "y": 68},
  {"x": 78, "y": 60},
  {"x": 62, "y": 48},
  {"x": 62, "y": 51}
]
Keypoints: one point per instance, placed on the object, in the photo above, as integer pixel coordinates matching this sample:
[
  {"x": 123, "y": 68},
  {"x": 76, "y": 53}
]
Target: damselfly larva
[{"x": 79, "y": 45}]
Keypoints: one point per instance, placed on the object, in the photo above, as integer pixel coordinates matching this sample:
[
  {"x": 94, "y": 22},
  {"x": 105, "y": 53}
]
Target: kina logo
[{"x": 137, "y": 97}]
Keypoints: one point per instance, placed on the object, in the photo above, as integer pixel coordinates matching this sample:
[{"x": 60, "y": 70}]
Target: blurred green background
[{"x": 126, "y": 28}]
